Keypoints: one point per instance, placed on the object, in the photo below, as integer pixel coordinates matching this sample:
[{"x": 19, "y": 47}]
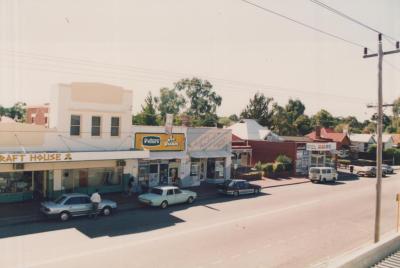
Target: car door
[
  {"x": 85, "y": 201},
  {"x": 240, "y": 187},
  {"x": 180, "y": 197},
  {"x": 170, "y": 196},
  {"x": 75, "y": 206},
  {"x": 248, "y": 188}
]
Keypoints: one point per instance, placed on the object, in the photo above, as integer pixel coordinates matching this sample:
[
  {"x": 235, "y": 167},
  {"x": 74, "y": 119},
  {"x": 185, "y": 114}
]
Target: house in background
[
  {"x": 362, "y": 142},
  {"x": 396, "y": 140},
  {"x": 341, "y": 139},
  {"x": 387, "y": 141},
  {"x": 38, "y": 115},
  {"x": 250, "y": 129}
]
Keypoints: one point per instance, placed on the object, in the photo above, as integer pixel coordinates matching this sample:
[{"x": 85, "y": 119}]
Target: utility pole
[{"x": 380, "y": 55}]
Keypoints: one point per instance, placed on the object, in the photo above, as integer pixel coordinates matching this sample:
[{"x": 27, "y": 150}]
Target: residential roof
[
  {"x": 396, "y": 138},
  {"x": 364, "y": 138},
  {"x": 330, "y": 134},
  {"x": 249, "y": 129},
  {"x": 387, "y": 138}
]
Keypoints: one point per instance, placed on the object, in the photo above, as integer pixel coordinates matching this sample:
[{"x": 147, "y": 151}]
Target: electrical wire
[
  {"x": 303, "y": 24},
  {"x": 388, "y": 37}
]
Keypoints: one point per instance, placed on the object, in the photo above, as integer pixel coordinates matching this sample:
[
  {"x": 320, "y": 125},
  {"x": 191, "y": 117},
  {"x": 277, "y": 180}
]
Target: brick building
[{"x": 38, "y": 115}]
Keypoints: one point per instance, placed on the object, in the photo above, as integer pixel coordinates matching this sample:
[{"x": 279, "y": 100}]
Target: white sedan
[{"x": 162, "y": 196}]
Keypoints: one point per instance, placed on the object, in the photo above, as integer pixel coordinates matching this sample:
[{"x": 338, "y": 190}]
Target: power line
[
  {"x": 303, "y": 24},
  {"x": 389, "y": 38}
]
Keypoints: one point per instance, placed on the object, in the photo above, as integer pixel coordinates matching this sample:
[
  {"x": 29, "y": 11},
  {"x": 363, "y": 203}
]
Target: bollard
[{"x": 398, "y": 211}]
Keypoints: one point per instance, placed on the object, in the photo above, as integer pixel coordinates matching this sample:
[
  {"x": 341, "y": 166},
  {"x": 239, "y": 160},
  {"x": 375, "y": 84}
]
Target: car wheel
[
  {"x": 64, "y": 216},
  {"x": 164, "y": 204},
  {"x": 190, "y": 200},
  {"x": 107, "y": 211},
  {"x": 235, "y": 193}
]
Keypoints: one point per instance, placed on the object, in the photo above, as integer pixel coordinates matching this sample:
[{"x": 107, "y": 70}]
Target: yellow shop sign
[
  {"x": 35, "y": 157},
  {"x": 160, "y": 141}
]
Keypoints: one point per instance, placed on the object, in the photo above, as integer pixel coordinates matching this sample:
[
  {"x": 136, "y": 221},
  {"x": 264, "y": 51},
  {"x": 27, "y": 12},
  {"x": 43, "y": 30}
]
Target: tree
[
  {"x": 202, "y": 99},
  {"x": 370, "y": 128},
  {"x": 17, "y": 111},
  {"x": 259, "y": 109},
  {"x": 280, "y": 121},
  {"x": 234, "y": 118},
  {"x": 148, "y": 115},
  {"x": 324, "y": 119},
  {"x": 294, "y": 109},
  {"x": 386, "y": 120},
  {"x": 396, "y": 107},
  {"x": 225, "y": 121},
  {"x": 169, "y": 102},
  {"x": 303, "y": 125}
]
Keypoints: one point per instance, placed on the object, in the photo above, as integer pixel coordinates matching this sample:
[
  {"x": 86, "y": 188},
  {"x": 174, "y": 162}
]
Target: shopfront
[
  {"x": 164, "y": 164},
  {"x": 46, "y": 175},
  {"x": 321, "y": 154},
  {"x": 210, "y": 154}
]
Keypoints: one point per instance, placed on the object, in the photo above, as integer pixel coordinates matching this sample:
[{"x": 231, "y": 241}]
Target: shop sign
[
  {"x": 35, "y": 157},
  {"x": 160, "y": 141},
  {"x": 328, "y": 146}
]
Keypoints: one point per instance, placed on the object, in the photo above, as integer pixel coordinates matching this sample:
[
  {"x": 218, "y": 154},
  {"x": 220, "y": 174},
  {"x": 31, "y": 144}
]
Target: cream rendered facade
[{"x": 38, "y": 146}]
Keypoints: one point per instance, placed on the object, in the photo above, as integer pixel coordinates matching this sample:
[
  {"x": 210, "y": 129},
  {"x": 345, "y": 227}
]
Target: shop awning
[
  {"x": 167, "y": 155},
  {"x": 210, "y": 154}
]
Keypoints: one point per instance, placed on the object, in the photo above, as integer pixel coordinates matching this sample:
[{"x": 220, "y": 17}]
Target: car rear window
[{"x": 156, "y": 191}]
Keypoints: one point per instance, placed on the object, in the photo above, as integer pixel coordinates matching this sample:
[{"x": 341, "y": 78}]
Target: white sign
[
  {"x": 44, "y": 157},
  {"x": 323, "y": 146},
  {"x": 169, "y": 120}
]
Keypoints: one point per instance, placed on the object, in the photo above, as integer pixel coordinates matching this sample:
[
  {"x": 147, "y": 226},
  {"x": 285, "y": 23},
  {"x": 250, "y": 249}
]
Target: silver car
[{"x": 72, "y": 205}]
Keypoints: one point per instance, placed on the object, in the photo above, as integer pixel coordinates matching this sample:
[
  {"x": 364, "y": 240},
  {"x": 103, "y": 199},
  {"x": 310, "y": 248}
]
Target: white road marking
[{"x": 170, "y": 235}]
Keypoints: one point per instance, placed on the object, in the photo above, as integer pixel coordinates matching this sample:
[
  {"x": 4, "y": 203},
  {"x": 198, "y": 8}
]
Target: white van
[{"x": 322, "y": 174}]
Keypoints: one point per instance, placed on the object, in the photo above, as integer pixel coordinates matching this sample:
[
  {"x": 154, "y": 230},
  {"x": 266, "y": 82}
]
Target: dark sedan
[{"x": 238, "y": 187}]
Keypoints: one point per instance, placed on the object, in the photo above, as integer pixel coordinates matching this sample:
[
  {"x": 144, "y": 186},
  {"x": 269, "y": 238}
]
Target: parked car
[
  {"x": 322, "y": 174},
  {"x": 163, "y": 196},
  {"x": 369, "y": 171},
  {"x": 387, "y": 169},
  {"x": 72, "y": 205},
  {"x": 238, "y": 187}
]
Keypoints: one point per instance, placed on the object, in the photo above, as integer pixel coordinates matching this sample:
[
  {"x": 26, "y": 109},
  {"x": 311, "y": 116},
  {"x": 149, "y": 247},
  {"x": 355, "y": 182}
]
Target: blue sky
[{"x": 146, "y": 45}]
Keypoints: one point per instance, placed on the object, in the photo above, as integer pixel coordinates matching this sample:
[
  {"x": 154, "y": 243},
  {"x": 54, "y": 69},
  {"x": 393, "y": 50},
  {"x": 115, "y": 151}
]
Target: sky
[{"x": 146, "y": 45}]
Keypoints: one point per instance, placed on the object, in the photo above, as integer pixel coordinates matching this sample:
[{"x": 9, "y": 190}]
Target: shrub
[
  {"x": 259, "y": 166},
  {"x": 268, "y": 169},
  {"x": 286, "y": 161},
  {"x": 279, "y": 167}
]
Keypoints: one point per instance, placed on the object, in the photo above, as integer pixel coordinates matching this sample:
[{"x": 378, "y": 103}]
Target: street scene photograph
[{"x": 197, "y": 134}]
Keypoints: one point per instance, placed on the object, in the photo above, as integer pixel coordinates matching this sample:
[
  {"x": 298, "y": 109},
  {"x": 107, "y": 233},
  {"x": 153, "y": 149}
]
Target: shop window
[
  {"x": 15, "y": 182},
  {"x": 96, "y": 125},
  {"x": 115, "y": 124},
  {"x": 75, "y": 129},
  {"x": 104, "y": 177}
]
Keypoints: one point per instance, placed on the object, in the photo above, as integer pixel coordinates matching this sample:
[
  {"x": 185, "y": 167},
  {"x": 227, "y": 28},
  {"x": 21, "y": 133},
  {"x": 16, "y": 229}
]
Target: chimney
[{"x": 318, "y": 132}]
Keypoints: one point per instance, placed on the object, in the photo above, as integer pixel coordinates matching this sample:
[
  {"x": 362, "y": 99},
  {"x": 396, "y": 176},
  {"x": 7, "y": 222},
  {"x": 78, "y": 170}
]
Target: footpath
[{"x": 28, "y": 212}]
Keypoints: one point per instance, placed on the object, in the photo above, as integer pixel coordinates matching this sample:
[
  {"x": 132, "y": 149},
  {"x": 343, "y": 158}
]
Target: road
[{"x": 292, "y": 226}]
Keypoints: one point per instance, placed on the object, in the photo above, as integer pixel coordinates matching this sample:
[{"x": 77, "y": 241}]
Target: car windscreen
[
  {"x": 60, "y": 199},
  {"x": 156, "y": 191}
]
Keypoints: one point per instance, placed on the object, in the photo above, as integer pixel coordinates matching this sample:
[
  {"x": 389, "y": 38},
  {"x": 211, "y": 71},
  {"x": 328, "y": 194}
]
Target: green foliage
[
  {"x": 279, "y": 167},
  {"x": 148, "y": 115},
  {"x": 259, "y": 166},
  {"x": 285, "y": 160},
  {"x": 169, "y": 102},
  {"x": 234, "y": 118},
  {"x": 280, "y": 122},
  {"x": 17, "y": 111},
  {"x": 303, "y": 125},
  {"x": 324, "y": 119},
  {"x": 225, "y": 121},
  {"x": 201, "y": 97},
  {"x": 259, "y": 109},
  {"x": 268, "y": 169}
]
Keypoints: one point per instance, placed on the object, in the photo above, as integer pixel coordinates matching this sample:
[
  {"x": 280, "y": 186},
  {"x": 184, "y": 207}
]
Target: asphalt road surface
[{"x": 292, "y": 226}]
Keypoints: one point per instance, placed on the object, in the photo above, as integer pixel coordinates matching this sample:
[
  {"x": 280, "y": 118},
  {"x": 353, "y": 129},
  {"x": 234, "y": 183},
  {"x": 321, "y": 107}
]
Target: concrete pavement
[{"x": 295, "y": 226}]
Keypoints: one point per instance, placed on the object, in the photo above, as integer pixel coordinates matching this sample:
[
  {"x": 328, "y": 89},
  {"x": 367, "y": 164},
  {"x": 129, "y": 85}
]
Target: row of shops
[{"x": 184, "y": 158}]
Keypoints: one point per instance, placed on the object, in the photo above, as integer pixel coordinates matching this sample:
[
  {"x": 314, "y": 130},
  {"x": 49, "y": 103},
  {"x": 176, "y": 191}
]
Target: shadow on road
[
  {"x": 121, "y": 223},
  {"x": 346, "y": 176}
]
